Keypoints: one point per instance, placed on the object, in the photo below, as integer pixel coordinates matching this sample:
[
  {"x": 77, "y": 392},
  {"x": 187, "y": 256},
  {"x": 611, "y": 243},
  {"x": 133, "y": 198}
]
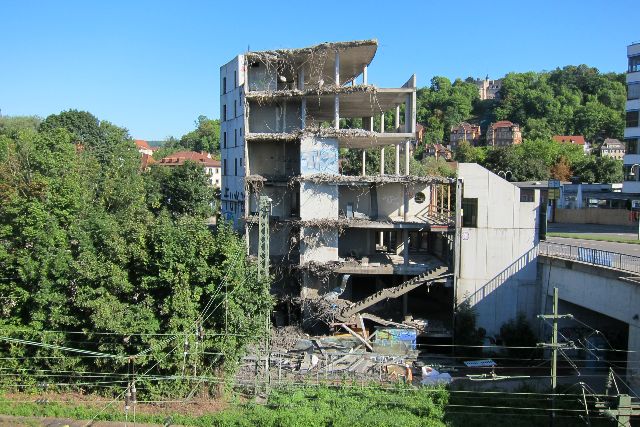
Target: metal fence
[{"x": 615, "y": 260}]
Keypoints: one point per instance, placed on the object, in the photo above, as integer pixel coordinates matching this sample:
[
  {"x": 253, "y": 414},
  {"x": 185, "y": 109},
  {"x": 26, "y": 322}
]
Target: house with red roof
[
  {"x": 143, "y": 146},
  {"x": 212, "y": 167},
  {"x": 572, "y": 139}
]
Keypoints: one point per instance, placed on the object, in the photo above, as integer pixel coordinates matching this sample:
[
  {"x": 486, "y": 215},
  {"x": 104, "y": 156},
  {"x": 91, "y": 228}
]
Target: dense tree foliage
[
  {"x": 88, "y": 262},
  {"x": 542, "y": 159},
  {"x": 574, "y": 100}
]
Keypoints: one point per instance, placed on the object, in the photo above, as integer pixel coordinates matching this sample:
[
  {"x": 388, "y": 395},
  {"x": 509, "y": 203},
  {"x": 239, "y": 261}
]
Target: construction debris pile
[{"x": 388, "y": 354}]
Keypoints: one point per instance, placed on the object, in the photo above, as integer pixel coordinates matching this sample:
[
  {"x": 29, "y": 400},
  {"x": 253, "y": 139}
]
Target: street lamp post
[{"x": 504, "y": 174}]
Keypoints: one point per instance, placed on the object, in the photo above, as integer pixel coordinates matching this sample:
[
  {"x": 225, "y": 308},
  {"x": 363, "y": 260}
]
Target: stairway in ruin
[{"x": 437, "y": 273}]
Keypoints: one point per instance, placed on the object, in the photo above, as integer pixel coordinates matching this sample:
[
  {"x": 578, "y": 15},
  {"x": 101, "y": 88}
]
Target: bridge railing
[{"x": 593, "y": 256}]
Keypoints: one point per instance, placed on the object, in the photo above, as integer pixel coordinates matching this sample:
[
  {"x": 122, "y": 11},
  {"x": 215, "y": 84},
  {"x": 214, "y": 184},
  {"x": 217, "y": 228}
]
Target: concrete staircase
[{"x": 437, "y": 273}]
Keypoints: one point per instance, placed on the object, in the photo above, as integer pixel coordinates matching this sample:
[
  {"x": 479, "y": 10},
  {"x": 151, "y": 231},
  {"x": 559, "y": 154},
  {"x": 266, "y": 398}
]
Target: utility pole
[
  {"x": 263, "y": 272},
  {"x": 263, "y": 236},
  {"x": 554, "y": 349}
]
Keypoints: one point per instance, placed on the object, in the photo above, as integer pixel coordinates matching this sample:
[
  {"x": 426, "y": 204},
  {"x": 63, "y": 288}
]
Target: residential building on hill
[
  {"x": 631, "y": 159},
  {"x": 212, "y": 167},
  {"x": 613, "y": 148},
  {"x": 503, "y": 134},
  {"x": 438, "y": 151},
  {"x": 573, "y": 139},
  {"x": 464, "y": 132}
]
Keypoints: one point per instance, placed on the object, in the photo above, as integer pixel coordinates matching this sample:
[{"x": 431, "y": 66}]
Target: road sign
[
  {"x": 554, "y": 183},
  {"x": 553, "y": 193}
]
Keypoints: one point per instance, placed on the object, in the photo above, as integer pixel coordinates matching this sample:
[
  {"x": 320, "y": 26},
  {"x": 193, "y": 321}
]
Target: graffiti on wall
[{"x": 322, "y": 160}]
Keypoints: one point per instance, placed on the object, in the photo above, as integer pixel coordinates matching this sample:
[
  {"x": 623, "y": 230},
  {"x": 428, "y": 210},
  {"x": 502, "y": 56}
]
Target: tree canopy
[{"x": 82, "y": 249}]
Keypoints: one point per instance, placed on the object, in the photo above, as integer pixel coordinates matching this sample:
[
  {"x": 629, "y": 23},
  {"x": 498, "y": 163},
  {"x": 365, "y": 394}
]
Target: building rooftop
[
  {"x": 319, "y": 61},
  {"x": 570, "y": 139},
  {"x": 503, "y": 124},
  {"x": 177, "y": 159},
  {"x": 142, "y": 144}
]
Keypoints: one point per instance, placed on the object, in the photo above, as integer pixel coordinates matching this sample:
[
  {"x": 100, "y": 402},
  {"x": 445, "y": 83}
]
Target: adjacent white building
[{"x": 632, "y": 126}]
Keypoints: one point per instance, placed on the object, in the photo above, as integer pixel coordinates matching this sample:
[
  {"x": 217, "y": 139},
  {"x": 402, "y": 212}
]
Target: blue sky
[{"x": 152, "y": 66}]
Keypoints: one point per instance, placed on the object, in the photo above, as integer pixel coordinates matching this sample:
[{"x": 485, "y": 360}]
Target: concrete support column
[
  {"x": 336, "y": 98},
  {"x": 405, "y": 245},
  {"x": 382, "y": 161},
  {"x": 337, "y": 69},
  {"x": 365, "y": 75},
  {"x": 303, "y": 113},
  {"x": 407, "y": 149},
  {"x": 405, "y": 203},
  {"x": 397, "y": 119},
  {"x": 336, "y": 111},
  {"x": 303, "y": 103},
  {"x": 407, "y": 114},
  {"x": 405, "y": 303},
  {"x": 397, "y": 159},
  {"x": 382, "y": 123},
  {"x": 399, "y": 242},
  {"x": 364, "y": 162}
]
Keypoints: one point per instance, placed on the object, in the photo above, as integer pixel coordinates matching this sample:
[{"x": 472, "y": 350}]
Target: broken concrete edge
[
  {"x": 314, "y": 132},
  {"x": 373, "y": 179},
  {"x": 264, "y": 95},
  {"x": 287, "y": 54}
]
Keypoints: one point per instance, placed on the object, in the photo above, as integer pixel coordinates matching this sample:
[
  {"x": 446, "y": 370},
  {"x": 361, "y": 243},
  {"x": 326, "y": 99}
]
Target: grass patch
[
  {"x": 348, "y": 406},
  {"x": 594, "y": 237}
]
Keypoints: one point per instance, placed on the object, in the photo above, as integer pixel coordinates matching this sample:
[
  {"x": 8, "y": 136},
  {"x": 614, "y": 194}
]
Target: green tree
[
  {"x": 83, "y": 126},
  {"x": 206, "y": 136},
  {"x": 182, "y": 190}
]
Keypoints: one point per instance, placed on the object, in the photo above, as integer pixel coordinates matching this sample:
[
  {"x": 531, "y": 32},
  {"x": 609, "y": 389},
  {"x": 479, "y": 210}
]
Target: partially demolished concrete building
[{"x": 378, "y": 236}]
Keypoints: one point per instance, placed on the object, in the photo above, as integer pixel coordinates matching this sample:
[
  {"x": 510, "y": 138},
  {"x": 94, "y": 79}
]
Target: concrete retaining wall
[{"x": 595, "y": 216}]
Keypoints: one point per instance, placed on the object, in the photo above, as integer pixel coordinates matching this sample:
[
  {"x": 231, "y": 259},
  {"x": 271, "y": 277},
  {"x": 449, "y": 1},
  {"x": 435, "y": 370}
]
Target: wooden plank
[
  {"x": 358, "y": 337},
  {"x": 361, "y": 324}
]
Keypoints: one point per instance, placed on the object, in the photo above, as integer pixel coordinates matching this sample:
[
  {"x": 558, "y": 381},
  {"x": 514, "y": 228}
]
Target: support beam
[
  {"x": 407, "y": 148},
  {"x": 364, "y": 162},
  {"x": 397, "y": 118},
  {"x": 382, "y": 123},
  {"x": 382, "y": 161},
  {"x": 365, "y": 76},
  {"x": 397, "y": 159}
]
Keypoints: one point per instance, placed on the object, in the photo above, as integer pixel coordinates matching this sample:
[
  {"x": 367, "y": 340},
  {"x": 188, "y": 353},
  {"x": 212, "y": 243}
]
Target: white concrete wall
[
  {"x": 498, "y": 257},
  {"x": 232, "y": 184},
  {"x": 391, "y": 201}
]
